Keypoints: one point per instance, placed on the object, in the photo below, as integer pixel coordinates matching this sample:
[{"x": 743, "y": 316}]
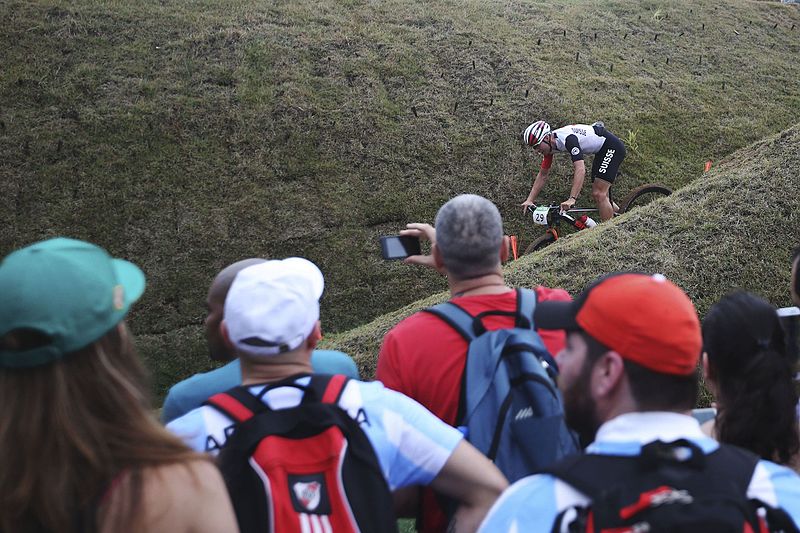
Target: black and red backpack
[
  {"x": 305, "y": 468},
  {"x": 669, "y": 487}
]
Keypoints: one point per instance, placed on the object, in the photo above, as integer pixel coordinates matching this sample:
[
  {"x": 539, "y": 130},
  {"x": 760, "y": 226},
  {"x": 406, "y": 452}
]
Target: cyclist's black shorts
[{"x": 607, "y": 161}]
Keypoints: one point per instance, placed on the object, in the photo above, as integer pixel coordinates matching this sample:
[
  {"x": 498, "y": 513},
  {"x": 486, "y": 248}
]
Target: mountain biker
[{"x": 577, "y": 140}]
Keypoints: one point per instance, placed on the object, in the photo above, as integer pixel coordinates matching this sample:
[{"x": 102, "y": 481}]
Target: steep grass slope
[
  {"x": 187, "y": 135},
  {"x": 733, "y": 228}
]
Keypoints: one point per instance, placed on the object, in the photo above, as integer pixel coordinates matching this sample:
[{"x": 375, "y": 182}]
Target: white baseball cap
[{"x": 272, "y": 307}]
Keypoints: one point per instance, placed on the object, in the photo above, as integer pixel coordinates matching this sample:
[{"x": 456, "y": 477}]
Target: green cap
[{"x": 69, "y": 290}]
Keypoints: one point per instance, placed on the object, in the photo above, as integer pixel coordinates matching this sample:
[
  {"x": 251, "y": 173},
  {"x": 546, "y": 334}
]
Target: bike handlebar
[{"x": 530, "y": 208}]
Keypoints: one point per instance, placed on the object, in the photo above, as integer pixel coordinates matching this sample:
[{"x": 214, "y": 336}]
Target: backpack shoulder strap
[
  {"x": 471, "y": 326},
  {"x": 734, "y": 463},
  {"x": 590, "y": 473},
  {"x": 526, "y": 305},
  {"x": 458, "y": 319},
  {"x": 326, "y": 388},
  {"x": 237, "y": 404}
]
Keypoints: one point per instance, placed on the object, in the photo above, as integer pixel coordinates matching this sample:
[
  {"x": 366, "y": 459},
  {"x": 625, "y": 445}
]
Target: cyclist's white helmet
[{"x": 534, "y": 133}]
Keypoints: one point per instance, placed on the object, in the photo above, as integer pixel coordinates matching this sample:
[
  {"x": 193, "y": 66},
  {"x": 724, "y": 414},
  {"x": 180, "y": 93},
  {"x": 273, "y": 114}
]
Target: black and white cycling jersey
[
  {"x": 580, "y": 136},
  {"x": 581, "y": 139}
]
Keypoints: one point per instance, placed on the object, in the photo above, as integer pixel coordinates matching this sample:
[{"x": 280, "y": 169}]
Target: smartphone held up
[{"x": 399, "y": 246}]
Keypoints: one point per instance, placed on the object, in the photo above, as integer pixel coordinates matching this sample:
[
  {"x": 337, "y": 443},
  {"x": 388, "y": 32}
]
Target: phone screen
[{"x": 399, "y": 247}]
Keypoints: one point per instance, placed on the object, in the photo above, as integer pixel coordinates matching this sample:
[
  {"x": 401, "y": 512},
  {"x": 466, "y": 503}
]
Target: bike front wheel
[
  {"x": 643, "y": 195},
  {"x": 545, "y": 240}
]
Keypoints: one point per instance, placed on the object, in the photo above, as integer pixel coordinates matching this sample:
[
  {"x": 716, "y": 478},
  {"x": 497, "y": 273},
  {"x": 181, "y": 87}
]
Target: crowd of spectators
[{"x": 83, "y": 451}]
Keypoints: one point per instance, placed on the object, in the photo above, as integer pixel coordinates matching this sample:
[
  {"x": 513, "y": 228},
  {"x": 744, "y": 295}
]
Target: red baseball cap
[{"x": 646, "y": 319}]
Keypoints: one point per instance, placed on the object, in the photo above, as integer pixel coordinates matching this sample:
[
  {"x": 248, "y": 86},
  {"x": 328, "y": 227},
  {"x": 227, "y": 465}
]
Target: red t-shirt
[{"x": 424, "y": 358}]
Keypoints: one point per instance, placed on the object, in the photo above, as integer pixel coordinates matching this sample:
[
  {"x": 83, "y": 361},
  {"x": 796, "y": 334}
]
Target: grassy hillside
[
  {"x": 733, "y": 228},
  {"x": 187, "y": 135}
]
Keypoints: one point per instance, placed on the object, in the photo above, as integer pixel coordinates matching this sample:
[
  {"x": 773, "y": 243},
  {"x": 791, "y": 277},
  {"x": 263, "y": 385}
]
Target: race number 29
[{"x": 540, "y": 215}]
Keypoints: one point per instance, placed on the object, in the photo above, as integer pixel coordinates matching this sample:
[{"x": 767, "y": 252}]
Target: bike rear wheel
[
  {"x": 545, "y": 240},
  {"x": 643, "y": 195}
]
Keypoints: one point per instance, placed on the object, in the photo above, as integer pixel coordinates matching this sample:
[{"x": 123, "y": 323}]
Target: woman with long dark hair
[
  {"x": 80, "y": 445},
  {"x": 749, "y": 371}
]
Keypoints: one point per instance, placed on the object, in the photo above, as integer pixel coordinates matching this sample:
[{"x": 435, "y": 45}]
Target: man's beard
[{"x": 579, "y": 408}]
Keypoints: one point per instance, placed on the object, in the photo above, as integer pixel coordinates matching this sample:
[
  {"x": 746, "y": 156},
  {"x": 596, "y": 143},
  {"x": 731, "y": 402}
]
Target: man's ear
[
  {"x": 607, "y": 373},
  {"x": 708, "y": 370},
  {"x": 505, "y": 249},
  {"x": 437, "y": 258},
  {"x": 316, "y": 335},
  {"x": 226, "y": 338}
]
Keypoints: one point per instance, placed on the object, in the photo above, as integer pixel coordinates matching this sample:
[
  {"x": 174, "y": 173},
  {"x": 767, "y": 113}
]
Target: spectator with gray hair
[
  {"x": 470, "y": 232},
  {"x": 423, "y": 356}
]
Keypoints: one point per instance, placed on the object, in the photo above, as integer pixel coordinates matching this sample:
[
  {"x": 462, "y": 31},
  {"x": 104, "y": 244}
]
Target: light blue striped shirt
[
  {"x": 410, "y": 442},
  {"x": 533, "y": 503}
]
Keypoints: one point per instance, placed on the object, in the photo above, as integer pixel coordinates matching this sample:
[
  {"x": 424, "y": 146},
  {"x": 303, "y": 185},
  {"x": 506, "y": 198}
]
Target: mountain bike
[{"x": 552, "y": 215}]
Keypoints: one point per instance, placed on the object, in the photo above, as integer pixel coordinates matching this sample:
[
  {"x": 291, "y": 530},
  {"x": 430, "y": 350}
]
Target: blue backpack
[{"x": 509, "y": 406}]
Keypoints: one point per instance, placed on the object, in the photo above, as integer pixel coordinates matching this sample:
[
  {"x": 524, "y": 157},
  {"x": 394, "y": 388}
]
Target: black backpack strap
[
  {"x": 326, "y": 388},
  {"x": 570, "y": 470},
  {"x": 526, "y": 305},
  {"x": 737, "y": 464},
  {"x": 287, "y": 421},
  {"x": 238, "y": 404},
  {"x": 777, "y": 519}
]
